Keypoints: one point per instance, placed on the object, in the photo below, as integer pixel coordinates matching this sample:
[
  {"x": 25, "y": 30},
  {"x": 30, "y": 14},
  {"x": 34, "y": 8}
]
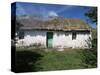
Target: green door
[{"x": 49, "y": 39}]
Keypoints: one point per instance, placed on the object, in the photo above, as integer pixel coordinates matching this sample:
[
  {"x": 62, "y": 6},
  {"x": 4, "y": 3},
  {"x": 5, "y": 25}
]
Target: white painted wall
[
  {"x": 60, "y": 39},
  {"x": 34, "y": 37}
]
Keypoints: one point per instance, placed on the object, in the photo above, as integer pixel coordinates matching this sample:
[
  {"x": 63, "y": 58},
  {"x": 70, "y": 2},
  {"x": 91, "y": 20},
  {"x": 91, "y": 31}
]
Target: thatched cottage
[{"x": 53, "y": 33}]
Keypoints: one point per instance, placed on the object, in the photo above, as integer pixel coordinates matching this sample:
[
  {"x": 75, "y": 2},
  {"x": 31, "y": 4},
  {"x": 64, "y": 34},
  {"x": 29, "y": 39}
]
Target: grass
[
  {"x": 56, "y": 60},
  {"x": 40, "y": 60}
]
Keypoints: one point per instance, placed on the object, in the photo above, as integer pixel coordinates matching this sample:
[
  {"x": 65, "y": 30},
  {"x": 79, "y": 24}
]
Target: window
[
  {"x": 66, "y": 34},
  {"x": 58, "y": 34},
  {"x": 73, "y": 35},
  {"x": 21, "y": 35}
]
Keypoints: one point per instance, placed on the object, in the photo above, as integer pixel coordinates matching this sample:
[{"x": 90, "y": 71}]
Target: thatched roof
[{"x": 53, "y": 24}]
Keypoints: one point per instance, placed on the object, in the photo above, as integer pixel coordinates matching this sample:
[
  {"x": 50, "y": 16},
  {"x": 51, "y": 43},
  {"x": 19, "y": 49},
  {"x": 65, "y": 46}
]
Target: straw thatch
[{"x": 52, "y": 24}]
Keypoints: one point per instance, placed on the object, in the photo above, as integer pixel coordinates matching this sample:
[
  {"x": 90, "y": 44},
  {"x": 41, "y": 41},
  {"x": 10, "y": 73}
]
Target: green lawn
[{"x": 41, "y": 60}]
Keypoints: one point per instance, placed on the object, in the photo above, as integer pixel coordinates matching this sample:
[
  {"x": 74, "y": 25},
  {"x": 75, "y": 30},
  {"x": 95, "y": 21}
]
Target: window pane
[
  {"x": 73, "y": 35},
  {"x": 21, "y": 35}
]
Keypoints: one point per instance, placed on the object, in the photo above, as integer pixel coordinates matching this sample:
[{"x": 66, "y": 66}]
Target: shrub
[{"x": 90, "y": 55}]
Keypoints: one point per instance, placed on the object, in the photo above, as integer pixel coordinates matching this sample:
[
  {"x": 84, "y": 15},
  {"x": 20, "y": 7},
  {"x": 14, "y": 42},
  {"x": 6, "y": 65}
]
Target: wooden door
[{"x": 49, "y": 39}]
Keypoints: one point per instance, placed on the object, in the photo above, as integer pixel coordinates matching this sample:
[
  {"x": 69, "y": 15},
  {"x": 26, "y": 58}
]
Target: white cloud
[{"x": 52, "y": 13}]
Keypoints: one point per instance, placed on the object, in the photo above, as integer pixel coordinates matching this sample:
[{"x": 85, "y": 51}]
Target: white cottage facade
[
  {"x": 59, "y": 39},
  {"x": 53, "y": 36}
]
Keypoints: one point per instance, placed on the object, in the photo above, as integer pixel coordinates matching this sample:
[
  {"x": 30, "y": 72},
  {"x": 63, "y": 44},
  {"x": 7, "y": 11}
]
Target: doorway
[{"x": 49, "y": 39}]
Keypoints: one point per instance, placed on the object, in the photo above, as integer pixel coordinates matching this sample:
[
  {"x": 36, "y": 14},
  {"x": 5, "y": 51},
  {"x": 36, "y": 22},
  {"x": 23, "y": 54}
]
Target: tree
[
  {"x": 92, "y": 14},
  {"x": 90, "y": 55}
]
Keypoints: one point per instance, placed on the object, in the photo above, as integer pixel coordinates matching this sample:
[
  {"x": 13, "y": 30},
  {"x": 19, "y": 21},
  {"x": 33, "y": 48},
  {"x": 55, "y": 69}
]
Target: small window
[
  {"x": 73, "y": 35},
  {"x": 66, "y": 34},
  {"x": 58, "y": 34},
  {"x": 21, "y": 35}
]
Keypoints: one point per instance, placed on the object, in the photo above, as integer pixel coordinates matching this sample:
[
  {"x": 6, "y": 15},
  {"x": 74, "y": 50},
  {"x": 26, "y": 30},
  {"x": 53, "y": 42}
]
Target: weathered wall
[
  {"x": 60, "y": 39},
  {"x": 35, "y": 37}
]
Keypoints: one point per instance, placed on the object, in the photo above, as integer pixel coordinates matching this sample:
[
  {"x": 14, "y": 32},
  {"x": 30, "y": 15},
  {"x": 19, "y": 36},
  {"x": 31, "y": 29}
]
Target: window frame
[
  {"x": 74, "y": 35},
  {"x": 21, "y": 35}
]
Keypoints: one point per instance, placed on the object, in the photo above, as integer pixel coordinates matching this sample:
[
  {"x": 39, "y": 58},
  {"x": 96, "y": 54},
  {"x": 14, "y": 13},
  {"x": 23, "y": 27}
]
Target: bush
[{"x": 90, "y": 55}]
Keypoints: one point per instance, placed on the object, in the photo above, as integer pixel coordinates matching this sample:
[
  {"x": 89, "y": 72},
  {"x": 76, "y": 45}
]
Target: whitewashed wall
[
  {"x": 35, "y": 37},
  {"x": 60, "y": 39}
]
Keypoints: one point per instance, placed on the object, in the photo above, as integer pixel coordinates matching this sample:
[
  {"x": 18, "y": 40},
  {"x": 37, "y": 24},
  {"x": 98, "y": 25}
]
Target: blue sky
[{"x": 46, "y": 10}]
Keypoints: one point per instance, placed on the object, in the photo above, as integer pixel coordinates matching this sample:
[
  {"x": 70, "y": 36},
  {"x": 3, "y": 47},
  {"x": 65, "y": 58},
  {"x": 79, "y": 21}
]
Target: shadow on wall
[
  {"x": 26, "y": 61},
  {"x": 89, "y": 42},
  {"x": 36, "y": 34}
]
